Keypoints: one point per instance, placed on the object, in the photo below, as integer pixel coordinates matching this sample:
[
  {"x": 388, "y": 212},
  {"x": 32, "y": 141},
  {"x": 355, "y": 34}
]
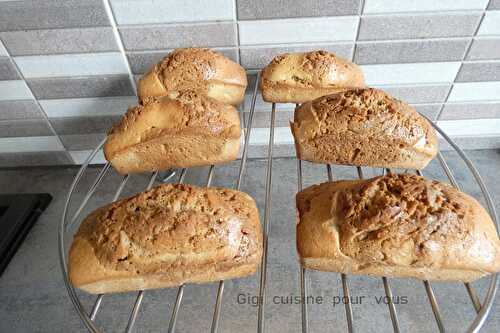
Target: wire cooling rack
[
  {"x": 88, "y": 316},
  {"x": 482, "y": 308},
  {"x": 68, "y": 223}
]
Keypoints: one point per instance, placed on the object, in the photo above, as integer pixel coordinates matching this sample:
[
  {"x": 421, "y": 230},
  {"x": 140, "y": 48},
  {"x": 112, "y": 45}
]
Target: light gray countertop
[{"x": 34, "y": 299}]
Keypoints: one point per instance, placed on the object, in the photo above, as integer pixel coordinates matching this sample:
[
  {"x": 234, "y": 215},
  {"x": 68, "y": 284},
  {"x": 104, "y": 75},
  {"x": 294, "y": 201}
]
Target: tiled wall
[{"x": 67, "y": 67}]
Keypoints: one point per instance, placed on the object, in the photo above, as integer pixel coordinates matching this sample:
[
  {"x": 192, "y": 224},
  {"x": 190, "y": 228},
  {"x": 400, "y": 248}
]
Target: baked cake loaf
[
  {"x": 301, "y": 77},
  {"x": 396, "y": 226},
  {"x": 170, "y": 235},
  {"x": 363, "y": 127},
  {"x": 196, "y": 69},
  {"x": 181, "y": 131}
]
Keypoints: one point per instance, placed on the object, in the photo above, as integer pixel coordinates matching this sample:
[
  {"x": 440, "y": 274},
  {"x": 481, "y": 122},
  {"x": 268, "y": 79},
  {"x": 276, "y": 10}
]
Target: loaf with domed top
[
  {"x": 181, "y": 130},
  {"x": 198, "y": 69},
  {"x": 363, "y": 127},
  {"x": 398, "y": 225},
  {"x": 167, "y": 236},
  {"x": 301, "y": 77}
]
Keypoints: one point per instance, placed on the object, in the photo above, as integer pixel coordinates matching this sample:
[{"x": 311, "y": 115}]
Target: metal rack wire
[
  {"x": 67, "y": 223},
  {"x": 482, "y": 308}
]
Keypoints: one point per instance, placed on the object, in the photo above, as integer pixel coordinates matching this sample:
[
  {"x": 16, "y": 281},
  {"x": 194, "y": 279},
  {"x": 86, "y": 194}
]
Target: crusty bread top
[
  {"x": 185, "y": 113},
  {"x": 316, "y": 69},
  {"x": 190, "y": 69},
  {"x": 402, "y": 220},
  {"x": 371, "y": 113},
  {"x": 173, "y": 225}
]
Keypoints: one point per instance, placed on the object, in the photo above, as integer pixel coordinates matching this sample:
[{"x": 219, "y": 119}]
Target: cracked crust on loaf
[
  {"x": 178, "y": 131},
  {"x": 198, "y": 69},
  {"x": 301, "y": 77},
  {"x": 363, "y": 127},
  {"x": 396, "y": 226},
  {"x": 167, "y": 236}
]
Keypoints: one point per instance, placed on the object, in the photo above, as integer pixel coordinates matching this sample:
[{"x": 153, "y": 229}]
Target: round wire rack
[{"x": 88, "y": 316}]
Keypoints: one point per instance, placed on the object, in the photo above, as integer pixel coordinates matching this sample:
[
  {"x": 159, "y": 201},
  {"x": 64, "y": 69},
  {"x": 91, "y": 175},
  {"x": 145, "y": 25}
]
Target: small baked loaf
[
  {"x": 181, "y": 131},
  {"x": 396, "y": 226},
  {"x": 167, "y": 236},
  {"x": 196, "y": 69},
  {"x": 363, "y": 127},
  {"x": 301, "y": 77}
]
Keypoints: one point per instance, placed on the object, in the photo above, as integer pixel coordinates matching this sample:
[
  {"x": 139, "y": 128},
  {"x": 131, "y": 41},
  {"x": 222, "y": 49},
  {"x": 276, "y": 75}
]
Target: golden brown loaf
[
  {"x": 363, "y": 127},
  {"x": 396, "y": 226},
  {"x": 196, "y": 69},
  {"x": 301, "y": 77},
  {"x": 174, "y": 132},
  {"x": 167, "y": 236}
]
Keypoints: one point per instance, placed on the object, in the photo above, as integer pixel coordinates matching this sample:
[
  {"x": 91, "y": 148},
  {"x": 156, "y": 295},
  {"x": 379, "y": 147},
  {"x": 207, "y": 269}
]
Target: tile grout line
[
  {"x": 405, "y": 13},
  {"x": 35, "y": 99},
  {"x": 166, "y": 50},
  {"x": 241, "y": 107},
  {"x": 463, "y": 11},
  {"x": 469, "y": 46},
  {"x": 347, "y": 41},
  {"x": 253, "y": 70},
  {"x": 118, "y": 40},
  {"x": 237, "y": 28},
  {"x": 42, "y": 110},
  {"x": 174, "y": 24},
  {"x": 360, "y": 13}
]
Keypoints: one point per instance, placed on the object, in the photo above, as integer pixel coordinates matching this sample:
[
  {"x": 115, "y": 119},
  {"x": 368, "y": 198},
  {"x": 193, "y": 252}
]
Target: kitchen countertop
[{"x": 34, "y": 299}]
